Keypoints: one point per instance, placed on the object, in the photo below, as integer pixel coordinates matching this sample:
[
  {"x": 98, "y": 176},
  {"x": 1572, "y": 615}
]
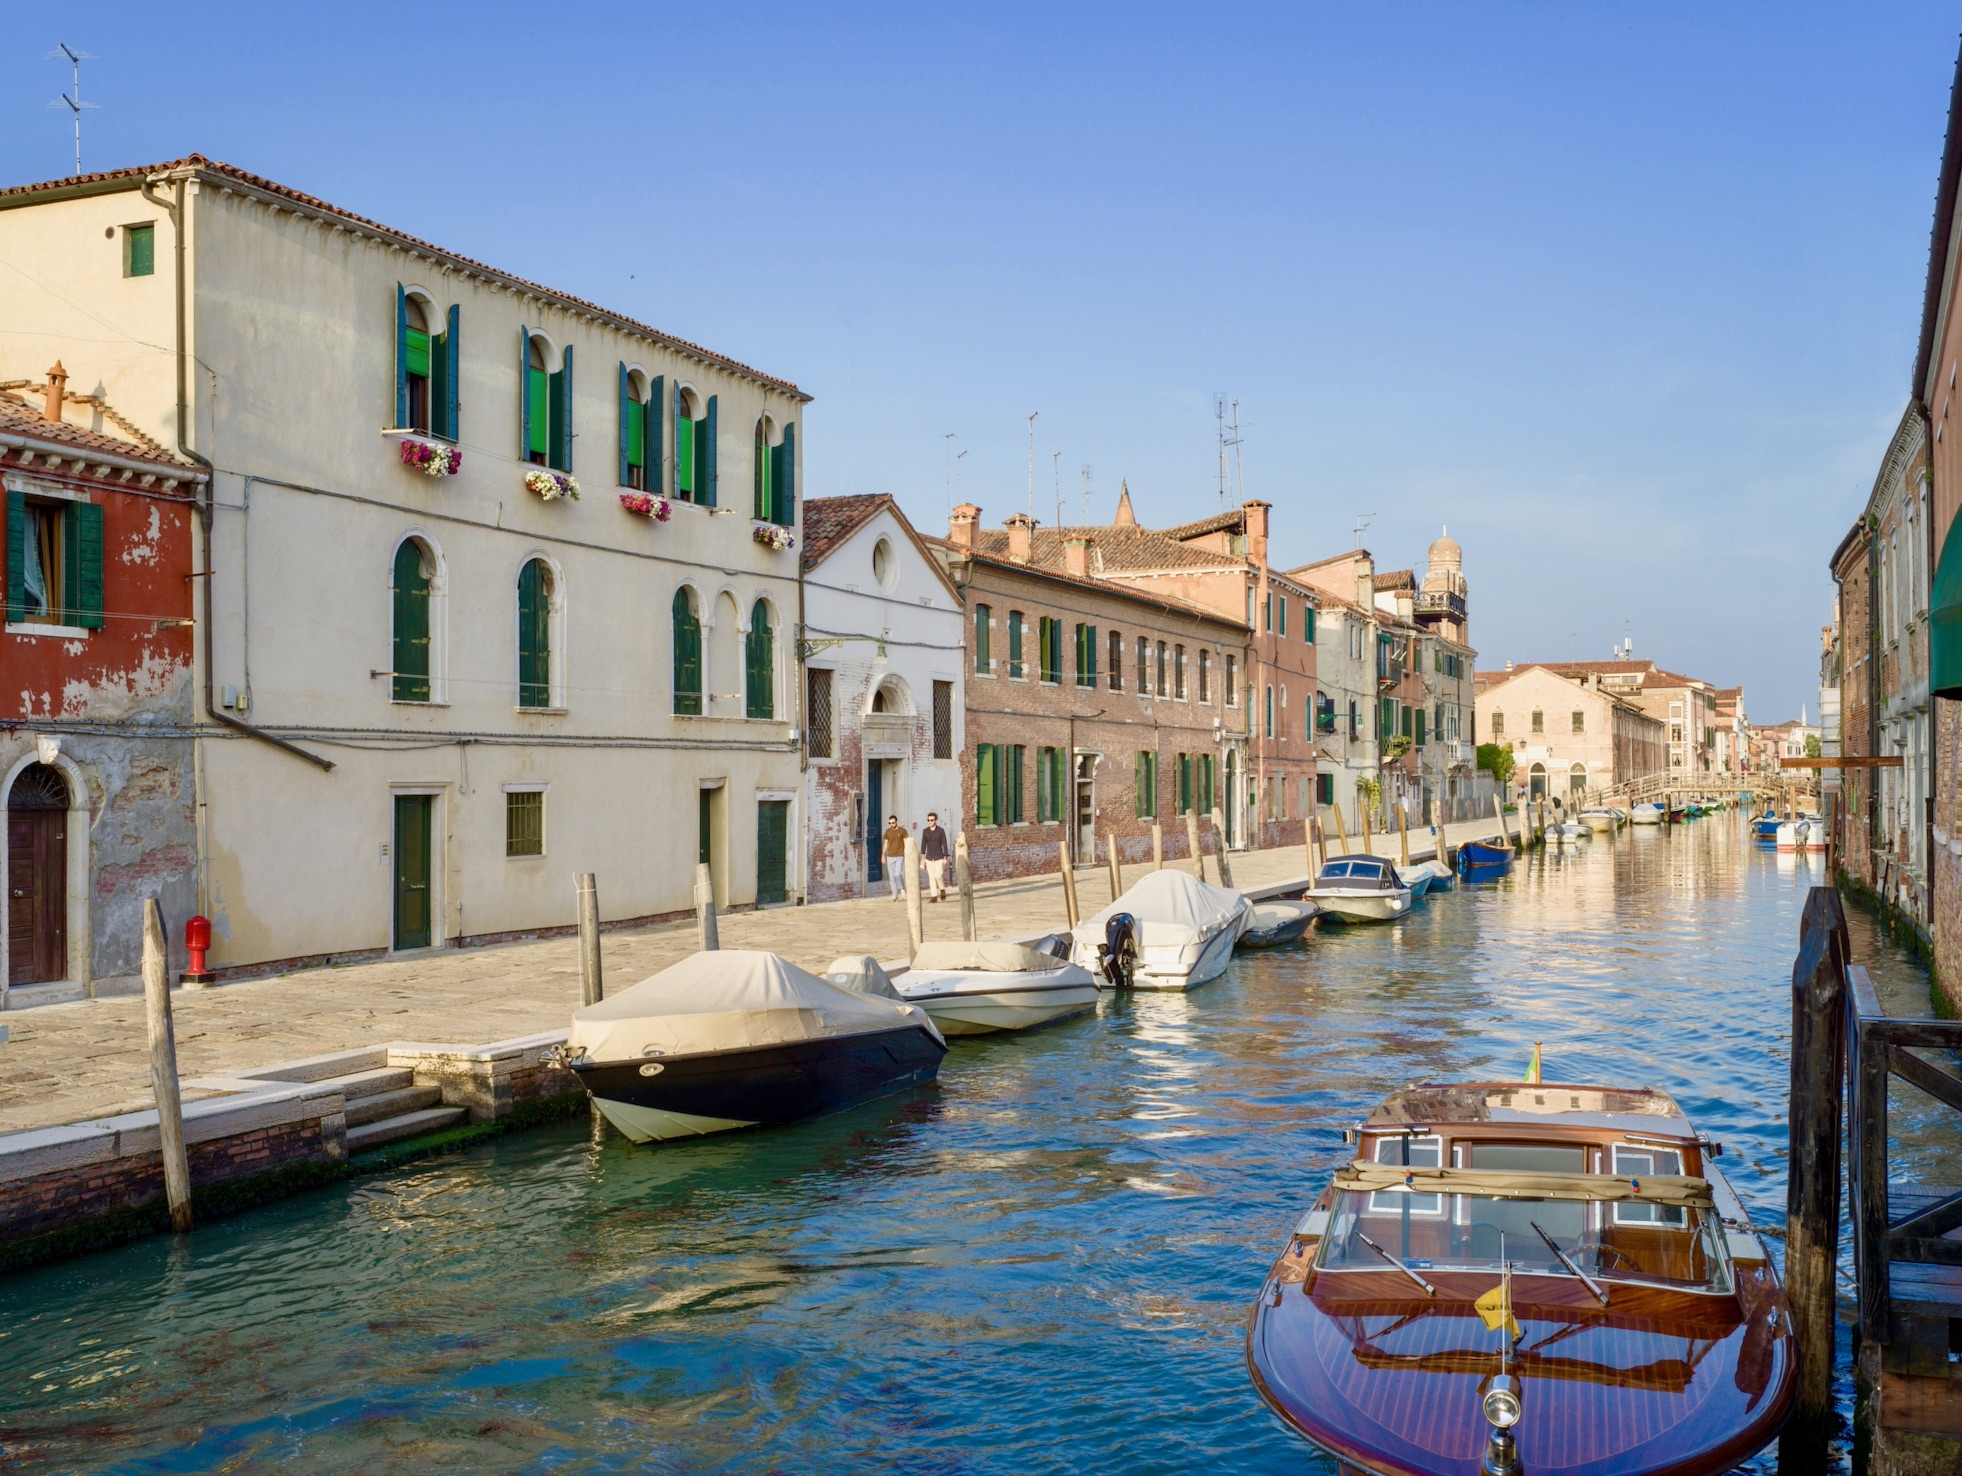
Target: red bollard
[{"x": 197, "y": 942}]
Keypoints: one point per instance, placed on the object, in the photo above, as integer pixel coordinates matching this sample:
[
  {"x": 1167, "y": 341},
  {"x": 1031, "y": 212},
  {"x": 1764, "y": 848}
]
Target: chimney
[
  {"x": 1256, "y": 525},
  {"x": 961, "y": 526},
  {"x": 1508, "y": 666},
  {"x": 1127, "y": 516},
  {"x": 1021, "y": 537},
  {"x": 1365, "y": 568},
  {"x": 57, "y": 389},
  {"x": 1076, "y": 555}
]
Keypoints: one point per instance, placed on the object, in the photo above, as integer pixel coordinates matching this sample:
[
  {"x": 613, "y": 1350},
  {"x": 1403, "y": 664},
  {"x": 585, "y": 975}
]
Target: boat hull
[
  {"x": 1361, "y": 907},
  {"x": 1478, "y": 853},
  {"x": 758, "y": 1086},
  {"x": 971, "y": 1007},
  {"x": 1291, "y": 931},
  {"x": 1184, "y": 968}
]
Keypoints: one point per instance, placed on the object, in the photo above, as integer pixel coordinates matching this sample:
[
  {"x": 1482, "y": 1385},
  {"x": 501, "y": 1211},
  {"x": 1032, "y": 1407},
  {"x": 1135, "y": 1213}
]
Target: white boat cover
[
  {"x": 1275, "y": 914},
  {"x": 1171, "y": 908},
  {"x": 728, "y": 1000},
  {"x": 998, "y": 956},
  {"x": 862, "y": 974}
]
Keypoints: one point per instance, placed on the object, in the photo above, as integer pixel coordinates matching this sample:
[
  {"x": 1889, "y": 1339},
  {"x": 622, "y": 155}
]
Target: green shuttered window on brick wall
[
  {"x": 1086, "y": 655},
  {"x": 1144, "y": 784},
  {"x": 984, "y": 662},
  {"x": 987, "y": 784},
  {"x": 54, "y": 562}
]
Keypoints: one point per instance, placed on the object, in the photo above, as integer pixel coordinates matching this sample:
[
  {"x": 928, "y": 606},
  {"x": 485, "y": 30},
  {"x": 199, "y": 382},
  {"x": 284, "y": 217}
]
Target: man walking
[
  {"x": 933, "y": 851},
  {"x": 893, "y": 848}
]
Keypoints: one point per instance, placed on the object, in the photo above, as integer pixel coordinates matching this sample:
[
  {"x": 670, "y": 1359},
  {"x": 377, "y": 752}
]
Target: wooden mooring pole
[
  {"x": 591, "y": 989},
  {"x": 1069, "y": 884},
  {"x": 706, "y": 937},
  {"x": 1157, "y": 846},
  {"x": 1116, "y": 866},
  {"x": 964, "y": 884},
  {"x": 915, "y": 909},
  {"x": 1192, "y": 843},
  {"x": 1812, "y": 1172},
  {"x": 1403, "y": 837},
  {"x": 1341, "y": 832},
  {"x": 1219, "y": 850},
  {"x": 1369, "y": 843},
  {"x": 163, "y": 1068}
]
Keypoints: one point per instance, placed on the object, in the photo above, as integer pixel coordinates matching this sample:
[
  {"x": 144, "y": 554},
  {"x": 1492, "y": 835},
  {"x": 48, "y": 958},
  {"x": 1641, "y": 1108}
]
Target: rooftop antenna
[
  {"x": 958, "y": 459},
  {"x": 1362, "y": 527},
  {"x": 1032, "y": 420},
  {"x": 1056, "y": 471},
  {"x": 1219, "y": 424},
  {"x": 1086, "y": 497},
  {"x": 948, "y": 442},
  {"x": 73, "y": 104},
  {"x": 1239, "y": 477}
]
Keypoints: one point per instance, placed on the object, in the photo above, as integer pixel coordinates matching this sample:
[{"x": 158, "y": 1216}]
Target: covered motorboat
[
  {"x": 1568, "y": 833},
  {"x": 1806, "y": 833},
  {"x": 1425, "y": 877},
  {"x": 1180, "y": 933},
  {"x": 1278, "y": 922},
  {"x": 1645, "y": 815},
  {"x": 734, "y": 1039},
  {"x": 982, "y": 988},
  {"x": 1360, "y": 889},
  {"x": 1602, "y": 821},
  {"x": 1540, "y": 1278}
]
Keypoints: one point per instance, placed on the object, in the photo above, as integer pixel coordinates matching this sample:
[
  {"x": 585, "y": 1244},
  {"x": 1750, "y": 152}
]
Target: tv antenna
[
  {"x": 1032, "y": 420},
  {"x": 1086, "y": 496},
  {"x": 1056, "y": 470},
  {"x": 1219, "y": 424},
  {"x": 1239, "y": 476},
  {"x": 947, "y": 442},
  {"x": 959, "y": 457},
  {"x": 73, "y": 104},
  {"x": 1362, "y": 526}
]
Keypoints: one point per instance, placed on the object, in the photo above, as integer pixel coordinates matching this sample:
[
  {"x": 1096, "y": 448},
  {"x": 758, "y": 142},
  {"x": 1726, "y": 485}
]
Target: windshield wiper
[
  {"x": 1429, "y": 1290},
  {"x": 1588, "y": 1281}
]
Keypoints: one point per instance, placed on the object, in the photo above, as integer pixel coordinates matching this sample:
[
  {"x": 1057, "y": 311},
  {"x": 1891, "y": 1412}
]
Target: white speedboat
[
  {"x": 1568, "y": 833},
  {"x": 1645, "y": 815},
  {"x": 1434, "y": 876},
  {"x": 1181, "y": 934},
  {"x": 1602, "y": 821},
  {"x": 1806, "y": 833},
  {"x": 1276, "y": 923},
  {"x": 980, "y": 988},
  {"x": 735, "y": 1039},
  {"x": 1356, "y": 889}
]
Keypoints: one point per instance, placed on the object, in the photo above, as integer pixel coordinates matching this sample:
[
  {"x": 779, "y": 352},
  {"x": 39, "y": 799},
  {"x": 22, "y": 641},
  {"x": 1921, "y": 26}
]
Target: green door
[
  {"x": 412, "y": 910},
  {"x": 772, "y": 852}
]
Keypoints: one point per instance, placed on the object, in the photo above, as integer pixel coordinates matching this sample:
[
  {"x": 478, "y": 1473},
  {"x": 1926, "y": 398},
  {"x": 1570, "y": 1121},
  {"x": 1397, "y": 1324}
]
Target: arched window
[
  {"x": 759, "y": 665},
  {"x": 694, "y": 447},
  {"x": 545, "y": 407},
  {"x": 409, "y": 660},
  {"x": 536, "y": 596},
  {"x": 1577, "y": 779},
  {"x": 1536, "y": 782},
  {"x": 776, "y": 473},
  {"x": 640, "y": 430},
  {"x": 687, "y": 654},
  {"x": 425, "y": 365}
]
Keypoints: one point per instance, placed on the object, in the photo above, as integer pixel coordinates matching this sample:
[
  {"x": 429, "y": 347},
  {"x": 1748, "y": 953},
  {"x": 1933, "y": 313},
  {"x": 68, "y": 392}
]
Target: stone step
[
  {"x": 408, "y": 1125},
  {"x": 358, "y": 1084},
  {"x": 364, "y": 1110}
]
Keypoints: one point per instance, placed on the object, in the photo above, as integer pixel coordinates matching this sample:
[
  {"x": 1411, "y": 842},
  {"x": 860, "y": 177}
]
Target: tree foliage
[{"x": 1496, "y": 760}]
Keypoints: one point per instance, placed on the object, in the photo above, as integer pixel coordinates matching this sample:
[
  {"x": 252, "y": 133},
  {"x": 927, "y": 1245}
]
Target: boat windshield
[{"x": 1679, "y": 1248}]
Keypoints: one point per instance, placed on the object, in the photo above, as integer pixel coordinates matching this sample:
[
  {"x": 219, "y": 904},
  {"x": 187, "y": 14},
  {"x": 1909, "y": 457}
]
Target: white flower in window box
[
  {"x": 774, "y": 536},
  {"x": 430, "y": 459},
  {"x": 552, "y": 485}
]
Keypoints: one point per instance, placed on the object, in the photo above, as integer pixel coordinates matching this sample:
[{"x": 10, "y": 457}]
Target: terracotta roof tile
[
  {"x": 829, "y": 521},
  {"x": 83, "y": 184},
  {"x": 18, "y": 418},
  {"x": 998, "y": 558}
]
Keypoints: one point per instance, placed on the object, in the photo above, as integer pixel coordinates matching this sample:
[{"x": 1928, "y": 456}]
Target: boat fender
[{"x": 1118, "y": 952}]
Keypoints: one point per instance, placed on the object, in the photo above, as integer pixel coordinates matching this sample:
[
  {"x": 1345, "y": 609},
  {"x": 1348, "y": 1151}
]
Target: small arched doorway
[
  {"x": 1537, "y": 782},
  {"x": 37, "y": 876}
]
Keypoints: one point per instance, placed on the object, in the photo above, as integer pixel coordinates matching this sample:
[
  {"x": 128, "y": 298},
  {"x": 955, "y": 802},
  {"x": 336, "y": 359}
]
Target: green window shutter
[
  {"x": 760, "y": 665},
  {"x": 1015, "y": 756},
  {"x": 402, "y": 354},
  {"x": 410, "y": 656},
  {"x": 1403, "y": 720},
  {"x": 983, "y": 656},
  {"x": 656, "y": 401},
  {"x": 1284, "y": 615},
  {"x": 687, "y": 657},
  {"x": 415, "y": 351},
  {"x": 1015, "y": 643},
  {"x": 626, "y": 404},
  {"x": 759, "y": 475},
  {"x": 1944, "y": 618},
  {"x": 141, "y": 245},
  {"x": 684, "y": 455},
  {"x": 705, "y": 455},
  {"x": 1043, "y": 776},
  {"x": 534, "y": 637},
  {"x": 443, "y": 395},
  {"x": 16, "y": 556},
  {"x": 1205, "y": 782},
  {"x": 84, "y": 561},
  {"x": 527, "y": 394},
  {"x": 559, "y": 447},
  {"x": 787, "y": 480},
  {"x": 984, "y": 785},
  {"x": 1308, "y": 624},
  {"x": 1420, "y": 727},
  {"x": 1138, "y": 784}
]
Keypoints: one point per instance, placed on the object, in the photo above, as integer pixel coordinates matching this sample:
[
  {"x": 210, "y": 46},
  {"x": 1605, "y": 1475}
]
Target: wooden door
[
  {"x": 772, "y": 852},
  {"x": 413, "y": 913},
  {"x": 37, "y": 896},
  {"x": 875, "y": 820}
]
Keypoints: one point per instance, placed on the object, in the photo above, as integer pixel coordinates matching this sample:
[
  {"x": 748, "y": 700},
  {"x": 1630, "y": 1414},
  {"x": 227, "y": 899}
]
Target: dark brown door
[{"x": 37, "y": 896}]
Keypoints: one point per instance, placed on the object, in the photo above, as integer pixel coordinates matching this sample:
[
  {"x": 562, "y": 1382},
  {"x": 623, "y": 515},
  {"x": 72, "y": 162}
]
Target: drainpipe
[
  {"x": 173, "y": 206},
  {"x": 1933, "y": 747}
]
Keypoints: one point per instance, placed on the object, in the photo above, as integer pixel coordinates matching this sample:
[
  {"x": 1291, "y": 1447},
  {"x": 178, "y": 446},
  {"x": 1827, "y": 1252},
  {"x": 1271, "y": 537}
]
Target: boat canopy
[
  {"x": 1359, "y": 873},
  {"x": 1171, "y": 907},
  {"x": 862, "y": 974},
  {"x": 1672, "y": 1190},
  {"x": 998, "y": 956},
  {"x": 729, "y": 1000}
]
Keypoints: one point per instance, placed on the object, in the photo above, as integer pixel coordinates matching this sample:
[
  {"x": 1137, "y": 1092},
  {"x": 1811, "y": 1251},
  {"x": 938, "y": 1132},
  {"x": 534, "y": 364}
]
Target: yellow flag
[
  {"x": 1532, "y": 1076},
  {"x": 1495, "y": 1307}
]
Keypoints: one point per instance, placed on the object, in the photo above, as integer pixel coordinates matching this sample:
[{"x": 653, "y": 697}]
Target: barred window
[
  {"x": 1205, "y": 676},
  {"x": 1116, "y": 662},
  {"x": 1178, "y": 672},
  {"x": 524, "y": 822},
  {"x": 820, "y": 736},
  {"x": 943, "y": 720}
]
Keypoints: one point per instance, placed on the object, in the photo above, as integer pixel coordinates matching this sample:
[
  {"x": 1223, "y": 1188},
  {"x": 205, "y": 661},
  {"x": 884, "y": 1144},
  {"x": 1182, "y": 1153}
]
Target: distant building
[
  {"x": 1686, "y": 705},
  {"x": 1569, "y": 737},
  {"x": 883, "y": 717},
  {"x": 97, "y": 767}
]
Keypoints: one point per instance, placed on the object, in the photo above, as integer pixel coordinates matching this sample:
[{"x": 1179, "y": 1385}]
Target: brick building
[{"x": 1092, "y": 706}]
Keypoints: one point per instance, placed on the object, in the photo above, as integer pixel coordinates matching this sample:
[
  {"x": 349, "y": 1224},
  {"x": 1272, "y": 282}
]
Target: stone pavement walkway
[{"x": 90, "y": 1058}]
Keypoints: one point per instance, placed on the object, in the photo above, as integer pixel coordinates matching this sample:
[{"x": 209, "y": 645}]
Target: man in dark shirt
[
  {"x": 933, "y": 852},
  {"x": 893, "y": 852}
]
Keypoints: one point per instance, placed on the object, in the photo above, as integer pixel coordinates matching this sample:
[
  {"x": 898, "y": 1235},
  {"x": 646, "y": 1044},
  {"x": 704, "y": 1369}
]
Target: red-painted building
[{"x": 97, "y": 728}]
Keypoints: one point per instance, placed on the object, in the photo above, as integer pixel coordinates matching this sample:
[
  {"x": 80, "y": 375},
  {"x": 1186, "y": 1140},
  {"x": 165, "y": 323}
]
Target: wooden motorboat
[
  {"x": 1806, "y": 833},
  {"x": 1278, "y": 922},
  {"x": 1493, "y": 851},
  {"x": 1359, "y": 889},
  {"x": 1542, "y": 1278},
  {"x": 982, "y": 988},
  {"x": 734, "y": 1039},
  {"x": 1179, "y": 934}
]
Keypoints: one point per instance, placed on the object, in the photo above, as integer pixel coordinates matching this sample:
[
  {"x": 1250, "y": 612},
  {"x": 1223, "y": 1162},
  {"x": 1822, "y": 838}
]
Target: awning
[
  {"x": 1945, "y": 621},
  {"x": 1379, "y": 1178}
]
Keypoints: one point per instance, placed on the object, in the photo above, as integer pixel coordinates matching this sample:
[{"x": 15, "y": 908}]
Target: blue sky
[{"x": 1626, "y": 295}]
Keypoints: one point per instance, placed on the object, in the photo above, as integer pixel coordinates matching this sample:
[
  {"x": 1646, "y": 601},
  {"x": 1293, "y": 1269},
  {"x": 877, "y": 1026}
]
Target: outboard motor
[{"x": 1118, "y": 953}]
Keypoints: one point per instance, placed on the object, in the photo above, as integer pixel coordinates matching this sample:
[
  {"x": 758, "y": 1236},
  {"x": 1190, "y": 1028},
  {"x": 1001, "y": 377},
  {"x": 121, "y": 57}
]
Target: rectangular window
[
  {"x": 1015, "y": 645},
  {"x": 984, "y": 664},
  {"x": 1270, "y": 713},
  {"x": 1183, "y": 762},
  {"x": 1580, "y": 720},
  {"x": 1116, "y": 662},
  {"x": 1144, "y": 667},
  {"x": 1650, "y": 1162},
  {"x": 1163, "y": 686},
  {"x": 1178, "y": 672},
  {"x": 1403, "y": 720},
  {"x": 1052, "y": 785},
  {"x": 1325, "y": 789},
  {"x": 1232, "y": 681},
  {"x": 1267, "y": 612},
  {"x": 987, "y": 785},
  {"x": 1205, "y": 675},
  {"x": 943, "y": 720},
  {"x": 1049, "y": 641},
  {"x": 1539, "y": 721},
  {"x": 1014, "y": 753},
  {"x": 1144, "y": 780},
  {"x": 819, "y": 738},
  {"x": 1281, "y": 627},
  {"x": 1418, "y": 733},
  {"x": 524, "y": 822},
  {"x": 54, "y": 562},
  {"x": 1086, "y": 655},
  {"x": 140, "y": 250},
  {"x": 1308, "y": 623},
  {"x": 1498, "y": 725},
  {"x": 1204, "y": 782}
]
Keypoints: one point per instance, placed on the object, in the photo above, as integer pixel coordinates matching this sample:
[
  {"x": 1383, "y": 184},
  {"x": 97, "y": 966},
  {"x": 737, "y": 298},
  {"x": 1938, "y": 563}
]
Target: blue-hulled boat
[
  {"x": 1492, "y": 851},
  {"x": 1765, "y": 827}
]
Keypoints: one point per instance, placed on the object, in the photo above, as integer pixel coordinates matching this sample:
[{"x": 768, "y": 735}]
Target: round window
[{"x": 885, "y": 567}]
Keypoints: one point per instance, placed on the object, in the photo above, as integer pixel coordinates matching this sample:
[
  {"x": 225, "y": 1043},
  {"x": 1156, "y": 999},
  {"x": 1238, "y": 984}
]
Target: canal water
[{"x": 1041, "y": 1264}]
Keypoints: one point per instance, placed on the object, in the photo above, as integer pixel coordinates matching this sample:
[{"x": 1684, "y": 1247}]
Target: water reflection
[{"x": 1040, "y": 1264}]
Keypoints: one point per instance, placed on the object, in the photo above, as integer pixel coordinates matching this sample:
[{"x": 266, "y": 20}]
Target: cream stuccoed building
[{"x": 499, "y": 586}]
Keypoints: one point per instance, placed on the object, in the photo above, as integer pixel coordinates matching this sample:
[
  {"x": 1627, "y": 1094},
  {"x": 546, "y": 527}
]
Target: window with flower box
[
  {"x": 640, "y": 429},
  {"x": 776, "y": 474},
  {"x": 425, "y": 366},
  {"x": 545, "y": 405}
]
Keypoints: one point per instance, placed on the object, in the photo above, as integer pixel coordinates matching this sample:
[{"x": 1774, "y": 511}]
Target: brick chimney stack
[
  {"x": 1076, "y": 555},
  {"x": 57, "y": 391},
  {"x": 1255, "y": 514},
  {"x": 1021, "y": 537},
  {"x": 960, "y": 528}
]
